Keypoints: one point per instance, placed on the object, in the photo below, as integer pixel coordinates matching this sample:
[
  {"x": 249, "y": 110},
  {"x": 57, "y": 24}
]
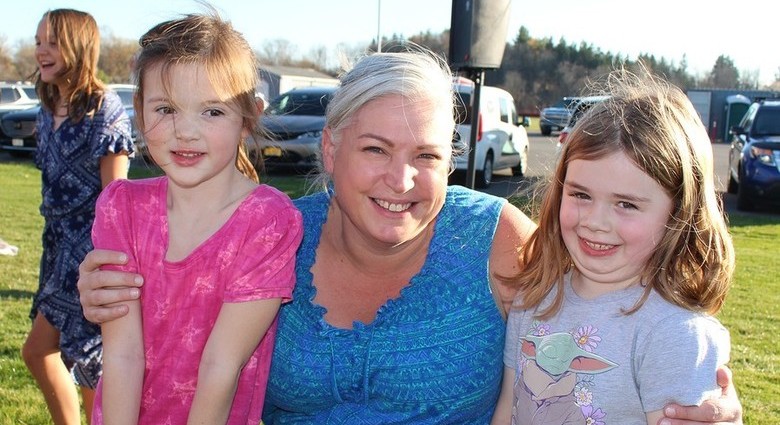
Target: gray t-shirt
[{"x": 591, "y": 361}]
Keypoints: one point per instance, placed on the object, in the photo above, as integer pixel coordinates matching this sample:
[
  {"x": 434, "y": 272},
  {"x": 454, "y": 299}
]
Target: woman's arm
[
  {"x": 513, "y": 230},
  {"x": 726, "y": 409},
  {"x": 123, "y": 367},
  {"x": 104, "y": 293},
  {"x": 235, "y": 336}
]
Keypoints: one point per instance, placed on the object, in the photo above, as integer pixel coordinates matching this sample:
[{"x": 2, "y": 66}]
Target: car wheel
[
  {"x": 520, "y": 169},
  {"x": 546, "y": 131},
  {"x": 733, "y": 186},
  {"x": 485, "y": 176}
]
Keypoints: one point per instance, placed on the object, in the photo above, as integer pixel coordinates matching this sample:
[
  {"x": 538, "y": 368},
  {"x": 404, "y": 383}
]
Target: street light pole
[{"x": 378, "y": 30}]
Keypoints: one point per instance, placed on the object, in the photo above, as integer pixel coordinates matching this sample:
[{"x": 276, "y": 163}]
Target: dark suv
[
  {"x": 293, "y": 123},
  {"x": 754, "y": 156},
  {"x": 556, "y": 116}
]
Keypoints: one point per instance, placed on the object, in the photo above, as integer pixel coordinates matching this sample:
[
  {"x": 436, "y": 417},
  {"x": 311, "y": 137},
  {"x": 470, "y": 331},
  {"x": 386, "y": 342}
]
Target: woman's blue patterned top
[{"x": 432, "y": 355}]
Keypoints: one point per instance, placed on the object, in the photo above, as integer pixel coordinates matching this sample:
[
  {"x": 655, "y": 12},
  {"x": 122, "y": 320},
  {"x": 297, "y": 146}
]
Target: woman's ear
[{"x": 328, "y": 150}]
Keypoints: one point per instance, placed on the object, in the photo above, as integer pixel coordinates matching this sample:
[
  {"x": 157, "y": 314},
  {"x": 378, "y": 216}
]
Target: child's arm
[
  {"x": 123, "y": 367},
  {"x": 113, "y": 166},
  {"x": 503, "y": 413},
  {"x": 236, "y": 334}
]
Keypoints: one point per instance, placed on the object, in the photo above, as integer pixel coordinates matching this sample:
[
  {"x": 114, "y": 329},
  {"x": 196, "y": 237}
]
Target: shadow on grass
[{"x": 15, "y": 294}]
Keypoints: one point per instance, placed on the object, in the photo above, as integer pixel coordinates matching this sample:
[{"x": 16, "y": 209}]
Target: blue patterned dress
[
  {"x": 69, "y": 159},
  {"x": 431, "y": 356}
]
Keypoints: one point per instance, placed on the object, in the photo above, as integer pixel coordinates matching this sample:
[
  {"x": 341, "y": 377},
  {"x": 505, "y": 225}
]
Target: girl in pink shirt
[{"x": 215, "y": 248}]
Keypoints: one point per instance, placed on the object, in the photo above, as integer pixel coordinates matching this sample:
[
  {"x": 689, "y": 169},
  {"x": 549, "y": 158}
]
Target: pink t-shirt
[{"x": 251, "y": 257}]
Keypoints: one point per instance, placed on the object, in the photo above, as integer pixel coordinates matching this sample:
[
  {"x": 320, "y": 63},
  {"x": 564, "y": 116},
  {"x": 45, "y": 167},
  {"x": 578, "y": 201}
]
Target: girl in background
[
  {"x": 631, "y": 257},
  {"x": 83, "y": 144},
  {"x": 216, "y": 249}
]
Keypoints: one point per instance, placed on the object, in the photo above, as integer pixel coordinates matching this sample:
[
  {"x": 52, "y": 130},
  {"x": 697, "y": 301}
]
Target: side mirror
[{"x": 737, "y": 130}]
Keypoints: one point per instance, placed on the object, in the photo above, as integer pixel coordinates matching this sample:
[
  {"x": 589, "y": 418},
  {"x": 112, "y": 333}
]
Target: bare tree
[
  {"x": 24, "y": 60},
  {"x": 277, "y": 52},
  {"x": 116, "y": 59},
  {"x": 7, "y": 68}
]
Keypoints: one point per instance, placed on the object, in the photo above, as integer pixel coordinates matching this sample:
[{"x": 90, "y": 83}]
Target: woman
[{"x": 398, "y": 314}]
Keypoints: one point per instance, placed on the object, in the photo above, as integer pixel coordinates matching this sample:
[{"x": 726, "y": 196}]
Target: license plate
[
  {"x": 272, "y": 151},
  {"x": 17, "y": 142}
]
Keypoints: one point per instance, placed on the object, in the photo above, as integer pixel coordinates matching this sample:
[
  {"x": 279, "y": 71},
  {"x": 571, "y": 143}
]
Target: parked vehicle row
[
  {"x": 18, "y": 127},
  {"x": 556, "y": 117},
  {"x": 294, "y": 121},
  {"x": 578, "y": 109}
]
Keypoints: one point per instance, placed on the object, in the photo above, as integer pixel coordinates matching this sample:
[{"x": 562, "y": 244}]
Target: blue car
[{"x": 754, "y": 156}]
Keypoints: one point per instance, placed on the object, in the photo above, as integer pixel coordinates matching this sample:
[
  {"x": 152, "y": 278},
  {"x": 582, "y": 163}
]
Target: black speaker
[{"x": 478, "y": 32}]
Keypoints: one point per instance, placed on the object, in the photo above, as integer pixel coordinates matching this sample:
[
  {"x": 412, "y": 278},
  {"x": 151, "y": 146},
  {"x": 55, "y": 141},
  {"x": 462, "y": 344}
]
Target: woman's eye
[
  {"x": 430, "y": 156},
  {"x": 374, "y": 149},
  {"x": 214, "y": 113},
  {"x": 165, "y": 110}
]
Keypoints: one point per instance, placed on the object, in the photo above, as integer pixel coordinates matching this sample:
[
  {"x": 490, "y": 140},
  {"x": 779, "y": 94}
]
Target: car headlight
[
  {"x": 763, "y": 155},
  {"x": 311, "y": 135}
]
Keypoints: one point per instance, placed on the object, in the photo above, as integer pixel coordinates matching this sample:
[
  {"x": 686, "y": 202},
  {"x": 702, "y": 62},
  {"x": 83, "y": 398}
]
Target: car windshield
[
  {"x": 767, "y": 122},
  {"x": 126, "y": 96},
  {"x": 303, "y": 103}
]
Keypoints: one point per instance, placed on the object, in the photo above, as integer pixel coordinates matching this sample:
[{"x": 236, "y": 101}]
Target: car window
[
  {"x": 504, "y": 107},
  {"x": 30, "y": 92},
  {"x": 463, "y": 108},
  {"x": 300, "y": 104},
  {"x": 767, "y": 122},
  {"x": 126, "y": 96},
  {"x": 7, "y": 95}
]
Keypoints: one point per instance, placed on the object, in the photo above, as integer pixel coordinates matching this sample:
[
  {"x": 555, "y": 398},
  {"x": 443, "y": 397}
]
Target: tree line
[{"x": 537, "y": 71}]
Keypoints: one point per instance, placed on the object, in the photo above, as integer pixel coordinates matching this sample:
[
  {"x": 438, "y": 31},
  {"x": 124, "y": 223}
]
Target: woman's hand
[
  {"x": 102, "y": 291},
  {"x": 723, "y": 410}
]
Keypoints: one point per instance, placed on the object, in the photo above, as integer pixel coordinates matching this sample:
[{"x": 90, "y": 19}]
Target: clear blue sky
[{"x": 701, "y": 29}]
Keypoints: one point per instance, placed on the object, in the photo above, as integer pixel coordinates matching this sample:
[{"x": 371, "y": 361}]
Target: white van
[{"x": 502, "y": 141}]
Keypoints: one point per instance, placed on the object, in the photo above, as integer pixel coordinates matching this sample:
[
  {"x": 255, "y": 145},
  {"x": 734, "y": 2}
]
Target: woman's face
[
  {"x": 47, "y": 54},
  {"x": 390, "y": 166}
]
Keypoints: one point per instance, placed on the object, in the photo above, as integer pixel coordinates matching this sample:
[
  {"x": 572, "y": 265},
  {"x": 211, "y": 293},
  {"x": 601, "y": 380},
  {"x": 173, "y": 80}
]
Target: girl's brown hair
[
  {"x": 229, "y": 61},
  {"x": 77, "y": 36},
  {"x": 655, "y": 125}
]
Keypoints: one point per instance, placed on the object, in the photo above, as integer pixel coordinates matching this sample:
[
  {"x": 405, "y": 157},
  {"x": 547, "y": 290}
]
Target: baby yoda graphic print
[{"x": 555, "y": 375}]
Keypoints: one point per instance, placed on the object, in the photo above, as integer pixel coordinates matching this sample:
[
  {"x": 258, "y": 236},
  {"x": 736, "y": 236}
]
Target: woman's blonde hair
[
  {"x": 655, "y": 125},
  {"x": 78, "y": 39},
  {"x": 230, "y": 63}
]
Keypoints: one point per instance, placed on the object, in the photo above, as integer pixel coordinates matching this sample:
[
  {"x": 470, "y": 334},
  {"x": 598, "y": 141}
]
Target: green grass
[{"x": 751, "y": 310}]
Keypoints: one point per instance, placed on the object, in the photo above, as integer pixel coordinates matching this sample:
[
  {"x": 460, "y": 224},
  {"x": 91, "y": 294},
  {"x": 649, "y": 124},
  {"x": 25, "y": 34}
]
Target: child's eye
[
  {"x": 165, "y": 110},
  {"x": 579, "y": 195},
  {"x": 627, "y": 205},
  {"x": 214, "y": 113}
]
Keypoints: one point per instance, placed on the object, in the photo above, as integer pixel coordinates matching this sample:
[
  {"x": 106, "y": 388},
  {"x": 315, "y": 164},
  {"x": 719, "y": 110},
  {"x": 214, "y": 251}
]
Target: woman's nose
[{"x": 400, "y": 177}]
